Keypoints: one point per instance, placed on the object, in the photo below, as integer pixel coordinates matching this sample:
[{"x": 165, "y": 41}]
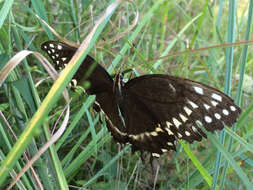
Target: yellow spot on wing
[{"x": 184, "y": 119}]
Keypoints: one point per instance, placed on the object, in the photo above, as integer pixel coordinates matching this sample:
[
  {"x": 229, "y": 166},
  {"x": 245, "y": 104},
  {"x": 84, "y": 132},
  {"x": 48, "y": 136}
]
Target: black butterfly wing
[
  {"x": 59, "y": 52},
  {"x": 89, "y": 70},
  {"x": 101, "y": 84},
  {"x": 158, "y": 108}
]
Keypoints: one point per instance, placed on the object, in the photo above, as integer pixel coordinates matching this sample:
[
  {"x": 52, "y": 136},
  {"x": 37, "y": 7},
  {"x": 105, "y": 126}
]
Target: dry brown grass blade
[
  {"x": 101, "y": 43},
  {"x": 197, "y": 50},
  {"x": 16, "y": 59},
  {"x": 21, "y": 55},
  {"x": 57, "y": 35},
  {"x": 10, "y": 65},
  {"x": 53, "y": 139},
  {"x": 36, "y": 178}
]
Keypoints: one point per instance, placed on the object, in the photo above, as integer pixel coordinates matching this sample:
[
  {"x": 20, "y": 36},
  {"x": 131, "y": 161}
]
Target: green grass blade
[
  {"x": 244, "y": 53},
  {"x": 39, "y": 8},
  {"x": 86, "y": 153},
  {"x": 232, "y": 162},
  {"x": 197, "y": 163},
  {"x": 239, "y": 139},
  {"x": 76, "y": 119},
  {"x": 4, "y": 11},
  {"x": 239, "y": 91},
  {"x": 146, "y": 18},
  {"x": 173, "y": 42},
  {"x": 228, "y": 79},
  {"x": 33, "y": 127},
  {"x": 101, "y": 172}
]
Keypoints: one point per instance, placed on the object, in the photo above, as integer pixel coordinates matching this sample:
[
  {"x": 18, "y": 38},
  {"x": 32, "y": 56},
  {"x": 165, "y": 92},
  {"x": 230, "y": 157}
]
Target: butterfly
[{"x": 151, "y": 111}]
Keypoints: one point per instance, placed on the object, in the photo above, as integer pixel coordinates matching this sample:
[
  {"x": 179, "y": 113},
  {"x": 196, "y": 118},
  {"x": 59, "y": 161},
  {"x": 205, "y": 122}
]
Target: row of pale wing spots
[
  {"x": 51, "y": 50},
  {"x": 188, "y": 111},
  {"x": 214, "y": 103},
  {"x": 111, "y": 124},
  {"x": 56, "y": 55},
  {"x": 142, "y": 136},
  {"x": 177, "y": 123},
  {"x": 59, "y": 47},
  {"x": 184, "y": 118}
]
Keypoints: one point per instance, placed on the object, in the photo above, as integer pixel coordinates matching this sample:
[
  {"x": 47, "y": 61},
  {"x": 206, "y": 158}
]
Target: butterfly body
[{"x": 152, "y": 111}]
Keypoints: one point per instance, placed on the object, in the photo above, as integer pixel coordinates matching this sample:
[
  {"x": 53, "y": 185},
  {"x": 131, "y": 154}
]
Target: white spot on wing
[
  {"x": 187, "y": 110},
  {"x": 164, "y": 150},
  {"x": 168, "y": 128},
  {"x": 198, "y": 90},
  {"x": 193, "y": 104},
  {"x": 184, "y": 119},
  {"x": 45, "y": 47},
  {"x": 176, "y": 122},
  {"x": 206, "y": 106},
  {"x": 187, "y": 133},
  {"x": 179, "y": 135},
  {"x": 133, "y": 137},
  {"x": 57, "y": 62},
  {"x": 217, "y": 116},
  {"x": 214, "y": 103},
  {"x": 154, "y": 133},
  {"x": 208, "y": 119},
  {"x": 168, "y": 124},
  {"x": 232, "y": 108},
  {"x": 225, "y": 112},
  {"x": 63, "y": 58},
  {"x": 53, "y": 50},
  {"x": 158, "y": 129},
  {"x": 169, "y": 144},
  {"x": 169, "y": 131},
  {"x": 216, "y": 97},
  {"x": 51, "y": 45},
  {"x": 156, "y": 155},
  {"x": 59, "y": 47}
]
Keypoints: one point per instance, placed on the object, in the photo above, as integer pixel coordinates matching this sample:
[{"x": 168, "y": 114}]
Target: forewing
[
  {"x": 89, "y": 70},
  {"x": 101, "y": 84},
  {"x": 59, "y": 52}
]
